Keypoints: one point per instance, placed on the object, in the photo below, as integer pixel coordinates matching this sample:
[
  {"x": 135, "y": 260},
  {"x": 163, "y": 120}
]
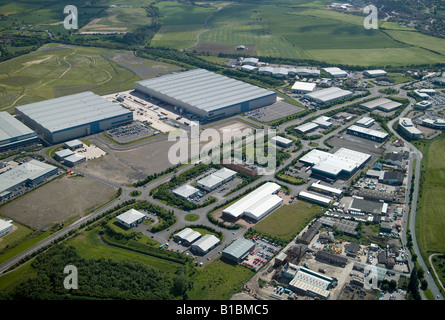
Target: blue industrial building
[{"x": 14, "y": 134}]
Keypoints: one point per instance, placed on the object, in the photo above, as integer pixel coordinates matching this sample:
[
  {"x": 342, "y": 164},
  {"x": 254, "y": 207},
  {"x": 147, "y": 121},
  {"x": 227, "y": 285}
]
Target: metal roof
[
  {"x": 329, "y": 94},
  {"x": 239, "y": 248},
  {"x": 188, "y": 235},
  {"x": 130, "y": 216},
  {"x": 10, "y": 127},
  {"x": 368, "y": 132},
  {"x": 205, "y": 90},
  {"x": 206, "y": 242},
  {"x": 30, "y": 170},
  {"x": 185, "y": 191},
  {"x": 70, "y": 111}
]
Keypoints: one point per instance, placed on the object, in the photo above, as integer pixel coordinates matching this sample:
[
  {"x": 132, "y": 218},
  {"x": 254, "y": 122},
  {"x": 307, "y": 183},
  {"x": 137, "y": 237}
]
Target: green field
[
  {"x": 57, "y": 71},
  {"x": 287, "y": 220},
  {"x": 431, "y": 216}
]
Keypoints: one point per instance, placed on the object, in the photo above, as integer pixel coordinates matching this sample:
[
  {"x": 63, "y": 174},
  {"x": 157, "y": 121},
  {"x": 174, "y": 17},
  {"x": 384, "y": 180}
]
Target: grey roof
[
  {"x": 328, "y": 94},
  {"x": 204, "y": 89},
  {"x": 238, "y": 248},
  {"x": 71, "y": 111},
  {"x": 30, "y": 170},
  {"x": 10, "y": 127}
]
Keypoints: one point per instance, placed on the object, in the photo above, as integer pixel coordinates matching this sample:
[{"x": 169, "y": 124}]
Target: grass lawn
[
  {"x": 218, "y": 281},
  {"x": 10, "y": 280},
  {"x": 18, "y": 241},
  {"x": 286, "y": 221}
]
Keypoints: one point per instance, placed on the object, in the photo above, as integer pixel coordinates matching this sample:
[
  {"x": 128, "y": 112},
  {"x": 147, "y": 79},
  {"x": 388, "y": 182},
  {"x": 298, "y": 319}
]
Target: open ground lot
[
  {"x": 275, "y": 111},
  {"x": 58, "y": 201}
]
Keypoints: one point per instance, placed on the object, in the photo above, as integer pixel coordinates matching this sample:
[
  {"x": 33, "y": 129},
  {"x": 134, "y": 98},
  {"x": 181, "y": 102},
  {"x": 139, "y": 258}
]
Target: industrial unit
[
  {"x": 6, "y": 227},
  {"x": 206, "y": 94},
  {"x": 187, "y": 235},
  {"x": 186, "y": 191},
  {"x": 323, "y": 121},
  {"x": 307, "y": 127},
  {"x": 374, "y": 73},
  {"x": 13, "y": 133},
  {"x": 328, "y": 95},
  {"x": 282, "y": 142},
  {"x": 205, "y": 244},
  {"x": 382, "y": 104},
  {"x": 238, "y": 249},
  {"x": 315, "y": 198},
  {"x": 303, "y": 87},
  {"x": 367, "y": 133},
  {"x": 335, "y": 72},
  {"x": 31, "y": 173},
  {"x": 62, "y": 154},
  {"x": 436, "y": 123},
  {"x": 343, "y": 162},
  {"x": 131, "y": 218},
  {"x": 318, "y": 187},
  {"x": 365, "y": 122},
  {"x": 214, "y": 180},
  {"x": 69, "y": 117},
  {"x": 248, "y": 204},
  {"x": 74, "y": 160}
]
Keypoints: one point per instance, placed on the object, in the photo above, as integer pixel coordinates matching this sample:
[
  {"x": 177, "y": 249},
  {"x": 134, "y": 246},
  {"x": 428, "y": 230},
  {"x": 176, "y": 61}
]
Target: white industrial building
[
  {"x": 306, "y": 127},
  {"x": 365, "y": 122},
  {"x": 311, "y": 283},
  {"x": 73, "y": 144},
  {"x": 74, "y": 160},
  {"x": 185, "y": 191},
  {"x": 131, "y": 218},
  {"x": 280, "y": 72},
  {"x": 435, "y": 123},
  {"x": 248, "y": 204},
  {"x": 318, "y": 187},
  {"x": 303, "y": 87},
  {"x": 408, "y": 129},
  {"x": 265, "y": 71},
  {"x": 335, "y": 72},
  {"x": 307, "y": 72},
  {"x": 187, "y": 235},
  {"x": 343, "y": 162},
  {"x": 216, "y": 179},
  {"x": 6, "y": 226},
  {"x": 13, "y": 133},
  {"x": 382, "y": 104},
  {"x": 206, "y": 94},
  {"x": 249, "y": 68},
  {"x": 282, "y": 142},
  {"x": 205, "y": 244},
  {"x": 374, "y": 73},
  {"x": 31, "y": 173},
  {"x": 367, "y": 133},
  {"x": 250, "y": 61},
  {"x": 73, "y": 116},
  {"x": 62, "y": 154},
  {"x": 323, "y": 121},
  {"x": 328, "y": 95},
  {"x": 315, "y": 198}
]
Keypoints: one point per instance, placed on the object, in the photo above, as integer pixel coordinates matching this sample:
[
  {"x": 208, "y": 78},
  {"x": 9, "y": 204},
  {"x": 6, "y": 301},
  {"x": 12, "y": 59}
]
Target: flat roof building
[
  {"x": 205, "y": 244},
  {"x": 408, "y": 129},
  {"x": 32, "y": 173},
  {"x": 382, "y": 104},
  {"x": 73, "y": 144},
  {"x": 367, "y": 133},
  {"x": 435, "y": 123},
  {"x": 62, "y": 154},
  {"x": 74, "y": 160},
  {"x": 186, "y": 191},
  {"x": 374, "y": 73},
  {"x": 216, "y": 179},
  {"x": 6, "y": 226},
  {"x": 69, "y": 117},
  {"x": 131, "y": 218},
  {"x": 206, "y": 94},
  {"x": 282, "y": 142},
  {"x": 238, "y": 249},
  {"x": 303, "y": 87},
  {"x": 343, "y": 162},
  {"x": 248, "y": 203},
  {"x": 315, "y": 198},
  {"x": 328, "y": 95},
  {"x": 306, "y": 127},
  {"x": 318, "y": 187},
  {"x": 13, "y": 133},
  {"x": 307, "y": 72},
  {"x": 323, "y": 121},
  {"x": 365, "y": 122},
  {"x": 335, "y": 72}
]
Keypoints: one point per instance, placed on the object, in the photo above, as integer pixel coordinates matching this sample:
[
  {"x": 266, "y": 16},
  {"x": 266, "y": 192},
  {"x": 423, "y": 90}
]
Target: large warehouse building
[
  {"x": 206, "y": 94},
  {"x": 257, "y": 204},
  {"x": 69, "y": 117},
  {"x": 238, "y": 249},
  {"x": 367, "y": 133},
  {"x": 328, "y": 95},
  {"x": 332, "y": 165},
  {"x": 13, "y": 133},
  {"x": 382, "y": 104}
]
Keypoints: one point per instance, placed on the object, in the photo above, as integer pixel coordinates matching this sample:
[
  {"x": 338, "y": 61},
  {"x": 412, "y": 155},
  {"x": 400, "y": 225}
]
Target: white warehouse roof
[
  {"x": 203, "y": 90},
  {"x": 328, "y": 95},
  {"x": 130, "y": 216},
  {"x": 206, "y": 242},
  {"x": 11, "y": 128},
  {"x": 307, "y": 127},
  {"x": 244, "y": 204},
  {"x": 303, "y": 86},
  {"x": 369, "y": 132},
  {"x": 185, "y": 191},
  {"x": 263, "y": 206},
  {"x": 335, "y": 72},
  {"x": 188, "y": 235}
]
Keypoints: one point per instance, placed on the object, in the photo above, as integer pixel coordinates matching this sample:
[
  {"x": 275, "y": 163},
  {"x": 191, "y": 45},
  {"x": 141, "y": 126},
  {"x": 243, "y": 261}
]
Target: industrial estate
[{"x": 86, "y": 176}]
